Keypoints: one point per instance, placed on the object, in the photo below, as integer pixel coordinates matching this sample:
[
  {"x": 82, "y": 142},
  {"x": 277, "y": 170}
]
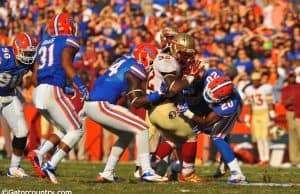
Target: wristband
[
  {"x": 247, "y": 118},
  {"x": 189, "y": 78},
  {"x": 153, "y": 97},
  {"x": 77, "y": 81},
  {"x": 189, "y": 114},
  {"x": 272, "y": 114}
]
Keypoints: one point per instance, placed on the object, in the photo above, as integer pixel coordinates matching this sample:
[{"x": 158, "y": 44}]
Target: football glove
[
  {"x": 184, "y": 110},
  {"x": 157, "y": 95},
  {"x": 82, "y": 88},
  {"x": 181, "y": 108},
  {"x": 196, "y": 130},
  {"x": 84, "y": 93}
]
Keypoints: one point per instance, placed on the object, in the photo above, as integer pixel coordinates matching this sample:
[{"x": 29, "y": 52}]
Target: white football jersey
[
  {"x": 258, "y": 97},
  {"x": 162, "y": 64}
]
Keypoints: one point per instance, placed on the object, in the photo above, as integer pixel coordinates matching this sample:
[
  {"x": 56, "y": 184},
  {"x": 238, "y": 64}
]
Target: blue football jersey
[
  {"x": 212, "y": 74},
  {"x": 113, "y": 83},
  {"x": 50, "y": 70},
  {"x": 227, "y": 107},
  {"x": 11, "y": 73}
]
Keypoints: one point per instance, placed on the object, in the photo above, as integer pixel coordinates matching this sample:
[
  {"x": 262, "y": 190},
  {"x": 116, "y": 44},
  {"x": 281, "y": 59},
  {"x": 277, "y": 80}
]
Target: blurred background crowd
[{"x": 237, "y": 36}]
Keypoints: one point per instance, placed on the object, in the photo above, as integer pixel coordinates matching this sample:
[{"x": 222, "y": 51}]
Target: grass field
[{"x": 79, "y": 177}]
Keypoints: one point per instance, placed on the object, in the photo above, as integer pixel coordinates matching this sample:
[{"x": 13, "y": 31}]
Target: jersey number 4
[
  {"x": 113, "y": 69},
  {"x": 46, "y": 56}
]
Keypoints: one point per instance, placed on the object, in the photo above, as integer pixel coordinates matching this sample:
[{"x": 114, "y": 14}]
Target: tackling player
[
  {"x": 225, "y": 106},
  {"x": 15, "y": 62},
  {"x": 126, "y": 76},
  {"x": 53, "y": 67}
]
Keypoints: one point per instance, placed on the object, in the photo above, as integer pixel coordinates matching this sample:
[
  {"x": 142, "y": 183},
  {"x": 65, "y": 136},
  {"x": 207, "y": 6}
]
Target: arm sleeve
[
  {"x": 138, "y": 71},
  {"x": 72, "y": 41}
]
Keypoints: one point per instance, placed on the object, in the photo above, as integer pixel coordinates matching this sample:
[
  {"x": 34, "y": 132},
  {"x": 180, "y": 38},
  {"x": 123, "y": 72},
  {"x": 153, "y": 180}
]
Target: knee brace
[
  {"x": 59, "y": 134},
  {"x": 72, "y": 137},
  {"x": 19, "y": 143}
]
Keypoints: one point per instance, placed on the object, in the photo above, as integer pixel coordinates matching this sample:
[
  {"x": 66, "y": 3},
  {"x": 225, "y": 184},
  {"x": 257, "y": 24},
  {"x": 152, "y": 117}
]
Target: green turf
[{"x": 79, "y": 177}]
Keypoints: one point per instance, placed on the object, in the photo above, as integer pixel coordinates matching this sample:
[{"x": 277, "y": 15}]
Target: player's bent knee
[
  {"x": 21, "y": 132},
  {"x": 72, "y": 137},
  {"x": 59, "y": 134},
  {"x": 19, "y": 143},
  {"x": 171, "y": 144}
]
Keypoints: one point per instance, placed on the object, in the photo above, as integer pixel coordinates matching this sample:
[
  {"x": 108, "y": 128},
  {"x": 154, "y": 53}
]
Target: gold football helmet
[
  {"x": 166, "y": 35},
  {"x": 182, "y": 42},
  {"x": 182, "y": 48}
]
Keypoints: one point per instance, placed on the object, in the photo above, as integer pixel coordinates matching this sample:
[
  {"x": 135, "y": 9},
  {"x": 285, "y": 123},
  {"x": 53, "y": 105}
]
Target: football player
[
  {"x": 225, "y": 106},
  {"x": 53, "y": 67},
  {"x": 168, "y": 69},
  {"x": 165, "y": 37},
  {"x": 15, "y": 62},
  {"x": 126, "y": 76},
  {"x": 260, "y": 98}
]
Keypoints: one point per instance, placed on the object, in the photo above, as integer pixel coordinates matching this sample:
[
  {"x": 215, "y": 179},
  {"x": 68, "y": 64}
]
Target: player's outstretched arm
[
  {"x": 204, "y": 122},
  {"x": 67, "y": 63},
  {"x": 176, "y": 85},
  {"x": 200, "y": 121},
  {"x": 136, "y": 94},
  {"x": 34, "y": 73}
]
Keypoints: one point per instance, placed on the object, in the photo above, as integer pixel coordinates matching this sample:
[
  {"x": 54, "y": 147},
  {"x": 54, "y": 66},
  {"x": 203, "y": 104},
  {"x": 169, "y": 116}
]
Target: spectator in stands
[{"x": 243, "y": 63}]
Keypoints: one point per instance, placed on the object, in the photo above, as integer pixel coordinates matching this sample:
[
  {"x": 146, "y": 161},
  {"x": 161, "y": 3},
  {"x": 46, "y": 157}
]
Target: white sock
[
  {"x": 142, "y": 142},
  {"x": 145, "y": 162},
  {"x": 260, "y": 148},
  {"x": 137, "y": 162},
  {"x": 234, "y": 166},
  {"x": 111, "y": 163},
  {"x": 45, "y": 147},
  {"x": 266, "y": 150},
  {"x": 57, "y": 157},
  {"x": 187, "y": 168},
  {"x": 15, "y": 160}
]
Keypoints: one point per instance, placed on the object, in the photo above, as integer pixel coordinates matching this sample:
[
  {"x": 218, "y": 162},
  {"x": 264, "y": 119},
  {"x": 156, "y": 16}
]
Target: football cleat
[
  {"x": 49, "y": 172},
  {"x": 264, "y": 163},
  {"x": 161, "y": 168},
  {"x": 36, "y": 161},
  {"x": 106, "y": 177},
  {"x": 192, "y": 178},
  {"x": 138, "y": 172},
  {"x": 237, "y": 178},
  {"x": 175, "y": 168},
  {"x": 16, "y": 172},
  {"x": 150, "y": 176},
  {"x": 221, "y": 170}
]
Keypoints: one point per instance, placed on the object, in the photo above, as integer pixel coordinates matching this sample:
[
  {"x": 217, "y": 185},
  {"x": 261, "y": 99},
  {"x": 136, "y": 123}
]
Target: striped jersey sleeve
[
  {"x": 73, "y": 41},
  {"x": 139, "y": 71}
]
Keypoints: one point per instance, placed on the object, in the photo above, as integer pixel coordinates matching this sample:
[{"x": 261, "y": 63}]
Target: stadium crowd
[{"x": 237, "y": 36}]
